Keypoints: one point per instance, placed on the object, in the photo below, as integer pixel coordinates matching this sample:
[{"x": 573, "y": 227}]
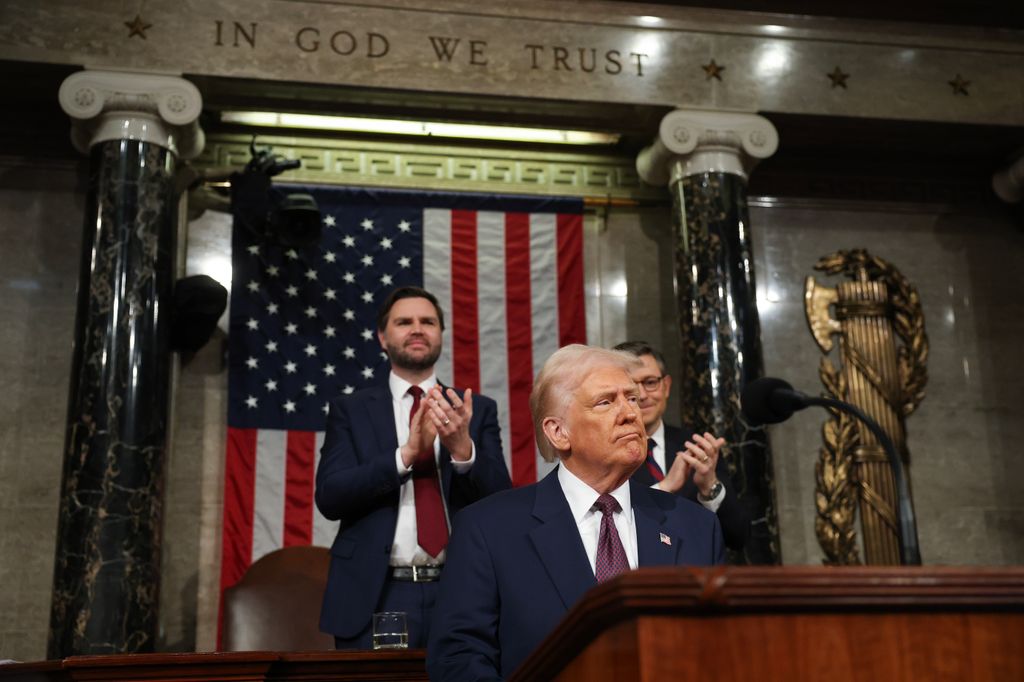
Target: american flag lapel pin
[{"x": 665, "y": 540}]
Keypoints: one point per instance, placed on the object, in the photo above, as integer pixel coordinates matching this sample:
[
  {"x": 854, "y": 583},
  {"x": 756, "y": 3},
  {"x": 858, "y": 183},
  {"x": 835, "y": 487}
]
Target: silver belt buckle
[{"x": 416, "y": 574}]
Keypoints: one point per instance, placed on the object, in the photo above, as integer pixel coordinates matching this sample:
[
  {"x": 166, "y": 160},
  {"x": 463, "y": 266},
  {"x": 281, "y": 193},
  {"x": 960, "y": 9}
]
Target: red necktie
[
  {"x": 652, "y": 465},
  {"x": 611, "y": 557},
  {"x": 431, "y": 527}
]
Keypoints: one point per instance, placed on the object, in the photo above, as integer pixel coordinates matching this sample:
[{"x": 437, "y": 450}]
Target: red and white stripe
[{"x": 511, "y": 286}]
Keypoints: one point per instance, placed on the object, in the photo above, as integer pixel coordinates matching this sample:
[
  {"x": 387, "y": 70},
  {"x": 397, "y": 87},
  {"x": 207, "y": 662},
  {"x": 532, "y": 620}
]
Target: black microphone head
[{"x": 769, "y": 400}]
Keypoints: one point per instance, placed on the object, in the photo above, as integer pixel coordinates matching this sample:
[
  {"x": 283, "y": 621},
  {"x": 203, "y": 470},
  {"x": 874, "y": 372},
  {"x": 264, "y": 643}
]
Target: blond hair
[{"x": 560, "y": 376}]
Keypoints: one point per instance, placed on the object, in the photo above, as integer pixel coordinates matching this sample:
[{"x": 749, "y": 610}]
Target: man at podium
[{"x": 520, "y": 559}]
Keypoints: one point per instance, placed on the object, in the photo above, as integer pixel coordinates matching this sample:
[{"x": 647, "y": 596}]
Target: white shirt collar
[
  {"x": 659, "y": 436},
  {"x": 400, "y": 387},
  {"x": 581, "y": 497}
]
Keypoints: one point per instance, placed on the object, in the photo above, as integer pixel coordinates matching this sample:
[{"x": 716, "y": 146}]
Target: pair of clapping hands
[
  {"x": 442, "y": 413},
  {"x": 700, "y": 457}
]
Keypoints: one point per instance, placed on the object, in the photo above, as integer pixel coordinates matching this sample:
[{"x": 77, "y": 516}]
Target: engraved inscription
[{"x": 454, "y": 50}]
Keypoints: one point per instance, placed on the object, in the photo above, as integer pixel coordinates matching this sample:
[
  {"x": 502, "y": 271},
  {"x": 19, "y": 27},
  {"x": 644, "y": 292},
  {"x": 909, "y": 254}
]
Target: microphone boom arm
[{"x": 910, "y": 551}]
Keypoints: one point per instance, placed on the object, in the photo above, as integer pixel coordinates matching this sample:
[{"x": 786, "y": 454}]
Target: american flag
[{"x": 508, "y": 272}]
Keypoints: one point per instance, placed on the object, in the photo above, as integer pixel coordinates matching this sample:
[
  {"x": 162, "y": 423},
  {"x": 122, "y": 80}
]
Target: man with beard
[{"x": 397, "y": 462}]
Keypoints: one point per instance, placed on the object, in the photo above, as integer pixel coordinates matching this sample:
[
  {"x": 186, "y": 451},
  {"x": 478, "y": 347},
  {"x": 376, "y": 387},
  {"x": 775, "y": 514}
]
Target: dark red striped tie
[
  {"x": 431, "y": 527},
  {"x": 652, "y": 465}
]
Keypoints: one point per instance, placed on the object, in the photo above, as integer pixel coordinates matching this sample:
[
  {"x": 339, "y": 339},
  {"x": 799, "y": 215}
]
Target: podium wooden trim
[
  {"x": 791, "y": 624},
  {"x": 236, "y": 666}
]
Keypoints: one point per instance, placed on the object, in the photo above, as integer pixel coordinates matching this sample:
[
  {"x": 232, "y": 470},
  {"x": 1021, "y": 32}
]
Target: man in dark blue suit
[
  {"x": 520, "y": 559},
  {"x": 397, "y": 462},
  {"x": 678, "y": 460}
]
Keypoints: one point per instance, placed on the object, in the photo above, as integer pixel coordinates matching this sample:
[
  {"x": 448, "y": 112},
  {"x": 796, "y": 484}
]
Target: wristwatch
[{"x": 716, "y": 490}]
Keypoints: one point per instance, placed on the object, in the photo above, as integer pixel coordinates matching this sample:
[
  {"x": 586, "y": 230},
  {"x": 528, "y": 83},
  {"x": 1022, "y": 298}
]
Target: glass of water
[{"x": 389, "y": 630}]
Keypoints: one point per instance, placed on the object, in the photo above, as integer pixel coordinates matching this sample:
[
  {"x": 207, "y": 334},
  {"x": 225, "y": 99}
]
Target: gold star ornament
[
  {"x": 137, "y": 27},
  {"x": 838, "y": 78},
  {"x": 713, "y": 70},
  {"x": 959, "y": 85}
]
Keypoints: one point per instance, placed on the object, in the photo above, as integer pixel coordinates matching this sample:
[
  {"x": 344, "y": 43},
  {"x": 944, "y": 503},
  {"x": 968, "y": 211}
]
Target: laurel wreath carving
[
  {"x": 835, "y": 497},
  {"x": 907, "y": 318}
]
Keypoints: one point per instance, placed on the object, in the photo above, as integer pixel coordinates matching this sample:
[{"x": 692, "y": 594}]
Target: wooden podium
[
  {"x": 760, "y": 624},
  {"x": 792, "y": 624}
]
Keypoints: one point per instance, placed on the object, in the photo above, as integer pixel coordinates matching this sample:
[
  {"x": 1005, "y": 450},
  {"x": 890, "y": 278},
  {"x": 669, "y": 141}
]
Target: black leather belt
[{"x": 417, "y": 574}]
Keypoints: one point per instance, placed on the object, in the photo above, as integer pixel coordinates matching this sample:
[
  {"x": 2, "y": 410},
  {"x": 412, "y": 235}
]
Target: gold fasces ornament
[{"x": 877, "y": 323}]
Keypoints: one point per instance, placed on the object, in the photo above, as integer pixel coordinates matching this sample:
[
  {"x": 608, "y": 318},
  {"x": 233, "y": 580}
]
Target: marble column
[
  {"x": 134, "y": 127},
  {"x": 704, "y": 158}
]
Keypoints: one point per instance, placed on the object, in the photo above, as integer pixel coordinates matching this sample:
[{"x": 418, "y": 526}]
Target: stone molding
[
  {"x": 450, "y": 168},
  {"x": 691, "y": 142},
  {"x": 110, "y": 105}
]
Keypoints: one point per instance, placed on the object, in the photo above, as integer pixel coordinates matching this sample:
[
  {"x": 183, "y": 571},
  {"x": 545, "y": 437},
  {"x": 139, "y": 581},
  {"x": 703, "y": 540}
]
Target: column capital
[
  {"x": 691, "y": 141},
  {"x": 112, "y": 105},
  {"x": 1008, "y": 183}
]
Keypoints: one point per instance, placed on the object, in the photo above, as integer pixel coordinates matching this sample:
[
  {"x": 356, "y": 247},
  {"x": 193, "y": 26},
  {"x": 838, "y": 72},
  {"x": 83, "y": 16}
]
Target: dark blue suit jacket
[
  {"x": 733, "y": 516},
  {"x": 516, "y": 564},
  {"x": 357, "y": 482}
]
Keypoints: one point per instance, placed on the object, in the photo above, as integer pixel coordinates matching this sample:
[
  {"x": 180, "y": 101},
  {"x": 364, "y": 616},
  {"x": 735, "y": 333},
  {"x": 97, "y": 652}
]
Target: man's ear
[
  {"x": 667, "y": 383},
  {"x": 556, "y": 433},
  {"x": 380, "y": 338}
]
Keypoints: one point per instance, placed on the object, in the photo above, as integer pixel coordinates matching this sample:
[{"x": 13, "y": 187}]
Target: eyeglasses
[{"x": 651, "y": 383}]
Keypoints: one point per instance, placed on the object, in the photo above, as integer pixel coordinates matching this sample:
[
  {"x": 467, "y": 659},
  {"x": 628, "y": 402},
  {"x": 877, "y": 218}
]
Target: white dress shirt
[
  {"x": 581, "y": 498},
  {"x": 659, "y": 456},
  {"x": 405, "y": 550}
]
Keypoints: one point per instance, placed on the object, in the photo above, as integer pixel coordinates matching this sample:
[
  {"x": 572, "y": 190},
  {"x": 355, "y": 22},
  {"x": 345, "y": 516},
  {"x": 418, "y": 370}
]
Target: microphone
[{"x": 769, "y": 400}]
